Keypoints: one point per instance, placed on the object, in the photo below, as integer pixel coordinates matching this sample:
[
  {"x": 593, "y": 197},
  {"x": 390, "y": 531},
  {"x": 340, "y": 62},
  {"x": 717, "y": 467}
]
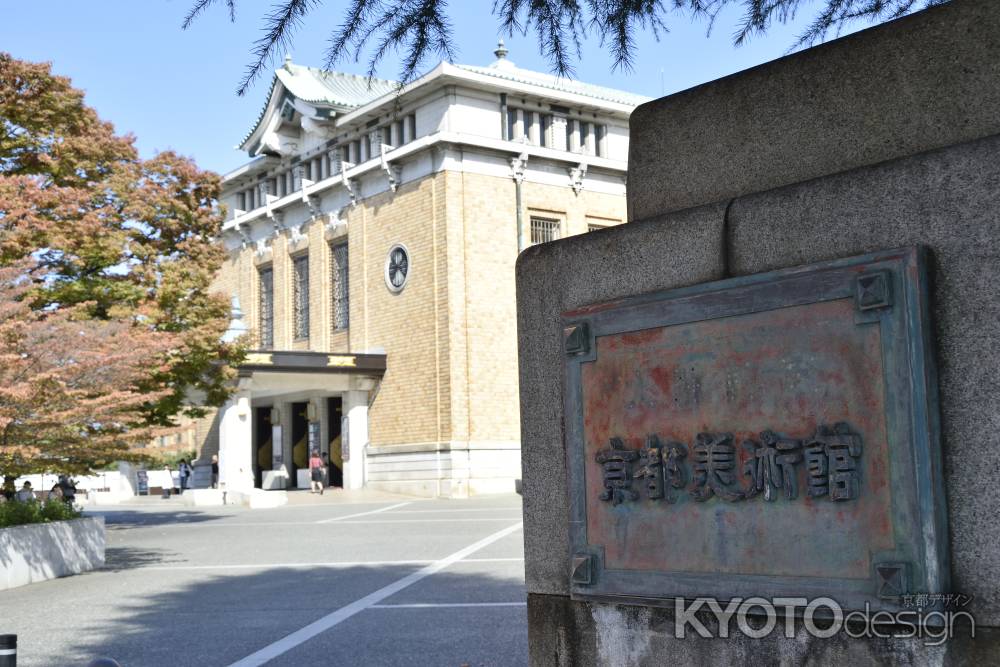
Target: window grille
[
  {"x": 593, "y": 228},
  {"x": 301, "y": 297},
  {"x": 266, "y": 308},
  {"x": 338, "y": 271},
  {"x": 544, "y": 230}
]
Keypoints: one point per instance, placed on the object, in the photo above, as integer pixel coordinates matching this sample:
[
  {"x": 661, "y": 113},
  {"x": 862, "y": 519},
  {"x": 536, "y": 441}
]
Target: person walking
[
  {"x": 26, "y": 494},
  {"x": 68, "y": 487},
  {"x": 173, "y": 479},
  {"x": 215, "y": 471},
  {"x": 326, "y": 469},
  {"x": 184, "y": 472},
  {"x": 316, "y": 466}
]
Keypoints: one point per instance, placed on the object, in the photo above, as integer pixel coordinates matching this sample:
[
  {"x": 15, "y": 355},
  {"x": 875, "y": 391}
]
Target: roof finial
[
  {"x": 288, "y": 61},
  {"x": 501, "y": 51}
]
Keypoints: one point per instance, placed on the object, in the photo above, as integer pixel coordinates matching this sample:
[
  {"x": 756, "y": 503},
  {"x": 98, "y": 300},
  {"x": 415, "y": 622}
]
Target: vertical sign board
[
  {"x": 345, "y": 439},
  {"x": 276, "y": 447},
  {"x": 142, "y": 482},
  {"x": 313, "y": 437},
  {"x": 772, "y": 435}
]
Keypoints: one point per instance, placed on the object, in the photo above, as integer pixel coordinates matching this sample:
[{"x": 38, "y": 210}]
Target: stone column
[
  {"x": 236, "y": 444},
  {"x": 518, "y": 125},
  {"x": 558, "y": 134},
  {"x": 533, "y": 121},
  {"x": 574, "y": 136},
  {"x": 355, "y": 438}
]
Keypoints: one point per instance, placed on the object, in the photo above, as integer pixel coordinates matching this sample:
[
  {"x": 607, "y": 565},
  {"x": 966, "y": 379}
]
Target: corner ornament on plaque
[{"x": 785, "y": 424}]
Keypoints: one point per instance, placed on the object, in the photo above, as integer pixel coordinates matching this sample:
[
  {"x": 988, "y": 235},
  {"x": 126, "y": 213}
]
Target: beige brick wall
[
  {"x": 482, "y": 216},
  {"x": 450, "y": 334},
  {"x": 411, "y": 326}
]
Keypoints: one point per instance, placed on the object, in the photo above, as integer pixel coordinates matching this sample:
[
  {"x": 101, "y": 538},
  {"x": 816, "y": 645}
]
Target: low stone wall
[
  {"x": 42, "y": 551},
  {"x": 446, "y": 470}
]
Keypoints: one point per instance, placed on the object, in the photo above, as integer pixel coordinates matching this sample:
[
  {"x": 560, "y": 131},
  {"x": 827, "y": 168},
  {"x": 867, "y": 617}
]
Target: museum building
[{"x": 372, "y": 239}]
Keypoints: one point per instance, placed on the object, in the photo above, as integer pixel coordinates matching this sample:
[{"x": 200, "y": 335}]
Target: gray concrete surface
[
  {"x": 919, "y": 83},
  {"x": 885, "y": 139},
  {"x": 946, "y": 200},
  {"x": 211, "y": 586},
  {"x": 42, "y": 551},
  {"x": 675, "y": 250}
]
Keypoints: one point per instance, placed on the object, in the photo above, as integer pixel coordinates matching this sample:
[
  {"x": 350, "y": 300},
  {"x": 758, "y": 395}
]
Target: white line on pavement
[
  {"x": 333, "y": 564},
  {"x": 471, "y": 509},
  {"x": 478, "y": 518},
  {"x": 437, "y": 605},
  {"x": 352, "y": 516},
  {"x": 282, "y": 524},
  {"x": 330, "y": 620}
]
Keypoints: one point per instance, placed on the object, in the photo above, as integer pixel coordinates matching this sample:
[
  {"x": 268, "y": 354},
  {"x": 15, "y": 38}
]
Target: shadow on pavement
[
  {"x": 121, "y": 519},
  {"x": 118, "y": 559},
  {"x": 221, "y": 619}
]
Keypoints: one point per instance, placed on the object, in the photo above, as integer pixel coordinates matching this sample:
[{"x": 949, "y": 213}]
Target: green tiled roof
[
  {"x": 318, "y": 86},
  {"x": 504, "y": 69},
  {"x": 323, "y": 87}
]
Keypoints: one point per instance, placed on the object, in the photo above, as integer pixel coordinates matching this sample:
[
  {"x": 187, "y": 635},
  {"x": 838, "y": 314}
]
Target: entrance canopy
[
  {"x": 267, "y": 373},
  {"x": 315, "y": 399}
]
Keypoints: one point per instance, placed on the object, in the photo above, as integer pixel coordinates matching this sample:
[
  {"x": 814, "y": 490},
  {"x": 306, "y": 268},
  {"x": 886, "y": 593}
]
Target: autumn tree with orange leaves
[
  {"x": 67, "y": 397},
  {"x": 107, "y": 325}
]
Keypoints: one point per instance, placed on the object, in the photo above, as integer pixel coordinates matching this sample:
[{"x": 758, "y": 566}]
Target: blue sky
[{"x": 176, "y": 89}]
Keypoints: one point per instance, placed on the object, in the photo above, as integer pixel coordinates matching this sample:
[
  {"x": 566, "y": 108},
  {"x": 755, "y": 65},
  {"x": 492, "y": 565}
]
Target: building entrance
[
  {"x": 263, "y": 453},
  {"x": 335, "y": 415},
  {"x": 300, "y": 443}
]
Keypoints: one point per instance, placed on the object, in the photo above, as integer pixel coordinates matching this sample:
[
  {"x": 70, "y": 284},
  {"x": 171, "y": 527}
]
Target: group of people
[
  {"x": 179, "y": 480},
  {"x": 64, "y": 489}
]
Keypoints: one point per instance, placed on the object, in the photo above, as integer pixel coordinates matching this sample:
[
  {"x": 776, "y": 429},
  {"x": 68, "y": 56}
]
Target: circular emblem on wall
[{"x": 397, "y": 267}]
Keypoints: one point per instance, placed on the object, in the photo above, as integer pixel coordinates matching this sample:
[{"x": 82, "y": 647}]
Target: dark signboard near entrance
[{"x": 773, "y": 435}]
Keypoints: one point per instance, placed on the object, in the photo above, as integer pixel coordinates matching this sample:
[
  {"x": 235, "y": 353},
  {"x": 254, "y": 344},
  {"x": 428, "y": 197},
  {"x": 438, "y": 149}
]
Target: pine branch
[
  {"x": 420, "y": 28},
  {"x": 201, "y": 5},
  {"x": 279, "y": 26}
]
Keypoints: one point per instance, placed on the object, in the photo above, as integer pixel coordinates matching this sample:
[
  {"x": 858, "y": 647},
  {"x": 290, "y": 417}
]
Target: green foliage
[
  {"x": 13, "y": 513},
  {"x": 171, "y": 459},
  {"x": 108, "y": 320}
]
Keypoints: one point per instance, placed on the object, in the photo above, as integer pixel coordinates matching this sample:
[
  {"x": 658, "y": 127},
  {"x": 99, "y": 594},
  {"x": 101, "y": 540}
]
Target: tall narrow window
[
  {"x": 544, "y": 230},
  {"x": 600, "y": 140},
  {"x": 301, "y": 297},
  {"x": 266, "y": 276},
  {"x": 340, "y": 291}
]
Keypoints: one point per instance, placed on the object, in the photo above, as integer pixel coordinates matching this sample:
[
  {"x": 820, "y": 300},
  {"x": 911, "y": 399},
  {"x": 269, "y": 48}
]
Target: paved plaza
[{"x": 346, "y": 579}]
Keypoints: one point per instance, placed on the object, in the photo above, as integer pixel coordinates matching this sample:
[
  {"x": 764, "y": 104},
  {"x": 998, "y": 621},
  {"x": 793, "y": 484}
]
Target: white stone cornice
[
  {"x": 350, "y": 184},
  {"x": 576, "y": 176},
  {"x": 393, "y": 172},
  {"x": 350, "y": 174},
  {"x": 517, "y": 166}
]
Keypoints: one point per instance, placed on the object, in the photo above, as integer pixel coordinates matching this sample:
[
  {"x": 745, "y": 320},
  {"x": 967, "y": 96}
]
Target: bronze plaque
[{"x": 769, "y": 435}]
